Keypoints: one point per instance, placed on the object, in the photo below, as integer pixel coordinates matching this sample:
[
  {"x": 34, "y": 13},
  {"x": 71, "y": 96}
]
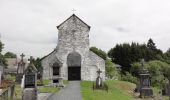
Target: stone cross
[
  {"x": 98, "y": 72},
  {"x": 142, "y": 62},
  {"x": 22, "y": 56},
  {"x": 31, "y": 59},
  {"x": 73, "y": 11}
]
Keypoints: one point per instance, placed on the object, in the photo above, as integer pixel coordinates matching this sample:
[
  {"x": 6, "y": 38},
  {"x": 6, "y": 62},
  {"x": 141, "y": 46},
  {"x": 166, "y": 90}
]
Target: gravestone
[
  {"x": 2, "y": 69},
  {"x": 166, "y": 88},
  {"x": 99, "y": 82},
  {"x": 30, "y": 86},
  {"x": 20, "y": 69},
  {"x": 144, "y": 76}
]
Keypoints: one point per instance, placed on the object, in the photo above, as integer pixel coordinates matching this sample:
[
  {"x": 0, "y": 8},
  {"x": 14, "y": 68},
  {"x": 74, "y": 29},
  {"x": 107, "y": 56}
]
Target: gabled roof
[{"x": 75, "y": 17}]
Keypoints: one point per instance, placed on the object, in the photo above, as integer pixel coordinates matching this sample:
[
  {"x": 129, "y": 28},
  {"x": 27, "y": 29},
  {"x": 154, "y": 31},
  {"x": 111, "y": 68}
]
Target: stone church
[{"x": 72, "y": 59}]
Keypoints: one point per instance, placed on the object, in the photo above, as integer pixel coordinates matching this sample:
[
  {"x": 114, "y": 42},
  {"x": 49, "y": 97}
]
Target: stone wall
[{"x": 73, "y": 36}]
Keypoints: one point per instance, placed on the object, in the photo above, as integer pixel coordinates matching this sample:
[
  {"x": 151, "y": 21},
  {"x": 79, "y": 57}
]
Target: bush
[
  {"x": 128, "y": 77},
  {"x": 158, "y": 71},
  {"x": 111, "y": 71}
]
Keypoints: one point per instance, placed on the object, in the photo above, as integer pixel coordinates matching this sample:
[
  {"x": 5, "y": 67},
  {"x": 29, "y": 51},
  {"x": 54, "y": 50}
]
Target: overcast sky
[{"x": 29, "y": 26}]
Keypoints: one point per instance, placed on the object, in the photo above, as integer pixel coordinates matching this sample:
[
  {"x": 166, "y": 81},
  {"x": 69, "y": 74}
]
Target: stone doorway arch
[
  {"x": 74, "y": 66},
  {"x": 56, "y": 71}
]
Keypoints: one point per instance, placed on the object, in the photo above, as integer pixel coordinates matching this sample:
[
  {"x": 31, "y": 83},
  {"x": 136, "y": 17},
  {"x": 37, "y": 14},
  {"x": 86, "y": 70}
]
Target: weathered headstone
[
  {"x": 145, "y": 89},
  {"x": 99, "y": 82},
  {"x": 30, "y": 86},
  {"x": 20, "y": 69}
]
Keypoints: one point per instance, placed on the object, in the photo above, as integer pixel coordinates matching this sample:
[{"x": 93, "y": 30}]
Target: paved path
[
  {"x": 43, "y": 96},
  {"x": 70, "y": 92}
]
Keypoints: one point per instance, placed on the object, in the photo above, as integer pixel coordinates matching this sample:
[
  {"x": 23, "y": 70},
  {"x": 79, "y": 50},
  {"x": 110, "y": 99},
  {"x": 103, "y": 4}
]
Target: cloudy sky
[{"x": 29, "y": 26}]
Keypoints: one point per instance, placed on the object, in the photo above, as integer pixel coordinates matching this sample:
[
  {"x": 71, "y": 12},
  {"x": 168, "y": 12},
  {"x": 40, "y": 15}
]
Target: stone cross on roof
[{"x": 73, "y": 11}]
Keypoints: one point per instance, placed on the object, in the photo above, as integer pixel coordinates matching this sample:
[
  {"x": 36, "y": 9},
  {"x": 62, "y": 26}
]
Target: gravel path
[{"x": 70, "y": 92}]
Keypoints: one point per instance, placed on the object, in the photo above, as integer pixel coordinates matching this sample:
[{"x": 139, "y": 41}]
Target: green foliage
[
  {"x": 126, "y": 54},
  {"x": 167, "y": 56},
  {"x": 128, "y": 77},
  {"x": 153, "y": 52},
  {"x": 99, "y": 52},
  {"x": 2, "y": 58},
  {"x": 48, "y": 89},
  {"x": 1, "y": 46},
  {"x": 10, "y": 55},
  {"x": 37, "y": 63},
  {"x": 111, "y": 70},
  {"x": 45, "y": 82},
  {"x": 135, "y": 69},
  {"x": 18, "y": 92},
  {"x": 10, "y": 77},
  {"x": 159, "y": 71}
]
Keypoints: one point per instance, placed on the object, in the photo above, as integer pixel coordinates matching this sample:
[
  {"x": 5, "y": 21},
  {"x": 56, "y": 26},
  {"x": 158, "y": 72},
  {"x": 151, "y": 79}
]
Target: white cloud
[{"x": 29, "y": 26}]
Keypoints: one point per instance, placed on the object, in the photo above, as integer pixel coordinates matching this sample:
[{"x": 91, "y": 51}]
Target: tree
[
  {"x": 153, "y": 52},
  {"x": 37, "y": 63},
  {"x": 111, "y": 70},
  {"x": 125, "y": 54},
  {"x": 151, "y": 45},
  {"x": 1, "y": 46},
  {"x": 158, "y": 70},
  {"x": 2, "y": 59},
  {"x": 167, "y": 56},
  {"x": 10, "y": 55},
  {"x": 99, "y": 52}
]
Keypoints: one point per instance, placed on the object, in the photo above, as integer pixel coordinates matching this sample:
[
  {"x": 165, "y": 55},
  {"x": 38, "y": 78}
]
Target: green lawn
[{"x": 118, "y": 90}]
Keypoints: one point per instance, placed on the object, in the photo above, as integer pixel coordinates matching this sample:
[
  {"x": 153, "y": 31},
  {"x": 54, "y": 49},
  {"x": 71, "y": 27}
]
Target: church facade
[{"x": 72, "y": 59}]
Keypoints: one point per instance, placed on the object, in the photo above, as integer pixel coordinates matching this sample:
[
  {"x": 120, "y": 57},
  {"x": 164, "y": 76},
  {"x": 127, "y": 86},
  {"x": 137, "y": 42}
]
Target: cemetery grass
[
  {"x": 118, "y": 90},
  {"x": 48, "y": 89}
]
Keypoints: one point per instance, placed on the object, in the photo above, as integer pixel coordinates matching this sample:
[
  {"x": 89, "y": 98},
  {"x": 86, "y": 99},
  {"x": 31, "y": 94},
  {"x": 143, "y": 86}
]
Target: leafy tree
[
  {"x": 126, "y": 54},
  {"x": 158, "y": 70},
  {"x": 99, "y": 52},
  {"x": 2, "y": 59},
  {"x": 151, "y": 45},
  {"x": 10, "y": 55},
  {"x": 1, "y": 46},
  {"x": 111, "y": 70},
  {"x": 128, "y": 77},
  {"x": 167, "y": 56},
  {"x": 37, "y": 63},
  {"x": 153, "y": 52}
]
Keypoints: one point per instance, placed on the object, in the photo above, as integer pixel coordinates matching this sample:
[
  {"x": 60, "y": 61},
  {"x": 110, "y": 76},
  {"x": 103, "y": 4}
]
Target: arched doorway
[
  {"x": 74, "y": 66},
  {"x": 56, "y": 71}
]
